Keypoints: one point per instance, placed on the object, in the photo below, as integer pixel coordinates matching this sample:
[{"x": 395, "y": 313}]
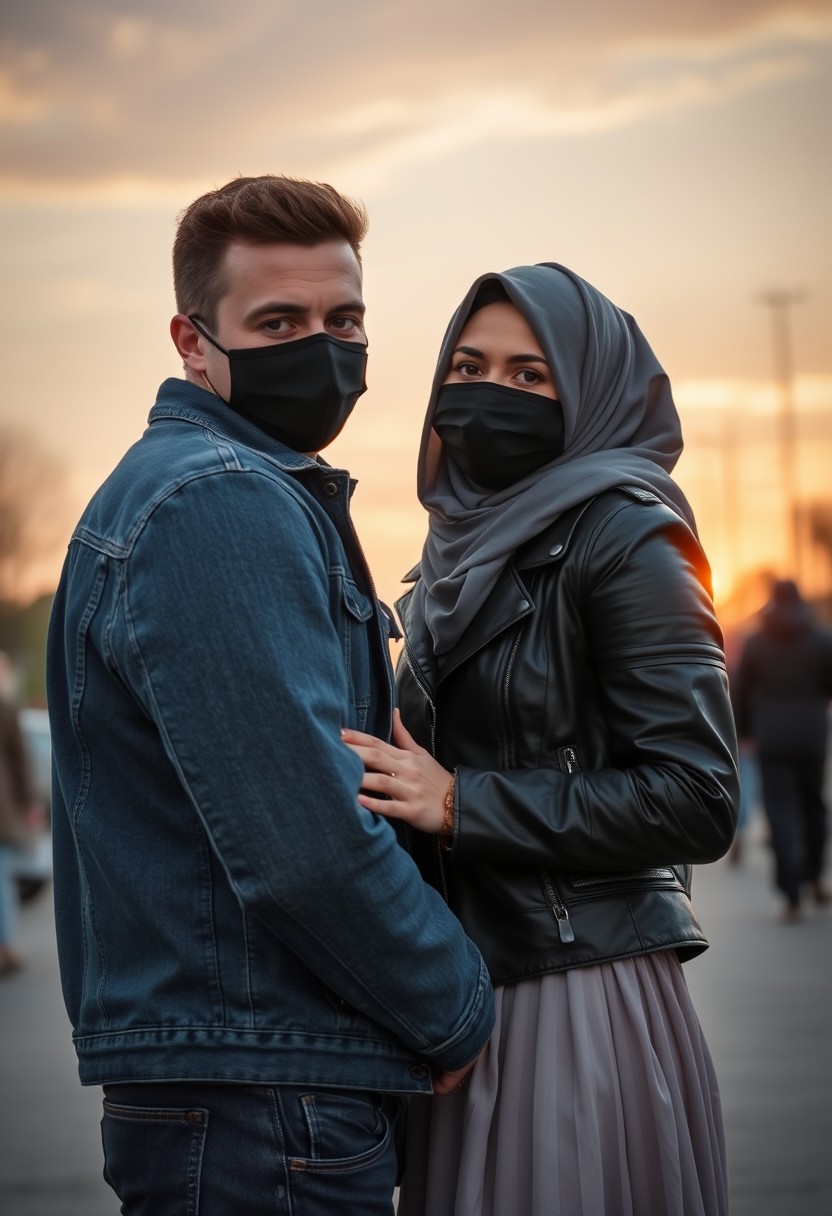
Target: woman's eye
[
  {"x": 467, "y": 369},
  {"x": 527, "y": 376}
]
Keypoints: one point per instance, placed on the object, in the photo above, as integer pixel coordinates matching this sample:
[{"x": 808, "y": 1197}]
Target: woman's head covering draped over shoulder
[{"x": 620, "y": 428}]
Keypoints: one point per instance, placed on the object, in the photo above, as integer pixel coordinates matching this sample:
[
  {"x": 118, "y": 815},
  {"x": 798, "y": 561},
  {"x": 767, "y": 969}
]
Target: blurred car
[{"x": 33, "y": 869}]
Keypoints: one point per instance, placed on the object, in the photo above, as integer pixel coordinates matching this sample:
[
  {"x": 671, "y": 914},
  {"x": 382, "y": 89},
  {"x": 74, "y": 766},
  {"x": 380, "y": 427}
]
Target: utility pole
[{"x": 780, "y": 302}]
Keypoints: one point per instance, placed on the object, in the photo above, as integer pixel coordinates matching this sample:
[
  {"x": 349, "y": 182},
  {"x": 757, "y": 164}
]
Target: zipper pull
[
  {"x": 565, "y": 932},
  {"x": 559, "y": 910}
]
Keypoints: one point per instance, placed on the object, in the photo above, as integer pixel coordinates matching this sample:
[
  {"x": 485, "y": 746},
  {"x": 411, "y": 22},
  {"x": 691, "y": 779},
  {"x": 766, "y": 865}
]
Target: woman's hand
[
  {"x": 415, "y": 783},
  {"x": 447, "y": 1082}
]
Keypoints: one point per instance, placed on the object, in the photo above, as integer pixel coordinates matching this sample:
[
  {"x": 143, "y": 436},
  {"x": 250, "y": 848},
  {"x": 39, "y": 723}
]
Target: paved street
[{"x": 764, "y": 994}]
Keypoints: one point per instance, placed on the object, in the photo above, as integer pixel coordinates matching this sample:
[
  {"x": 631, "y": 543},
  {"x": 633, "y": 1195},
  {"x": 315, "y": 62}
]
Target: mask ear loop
[
  {"x": 204, "y": 332},
  {"x": 199, "y": 329}
]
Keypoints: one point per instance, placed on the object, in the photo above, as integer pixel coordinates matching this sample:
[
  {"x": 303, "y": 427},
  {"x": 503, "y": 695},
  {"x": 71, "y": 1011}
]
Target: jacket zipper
[
  {"x": 420, "y": 684},
  {"x": 423, "y": 689},
  {"x": 377, "y": 614},
  {"x": 568, "y": 761},
  {"x": 558, "y": 908},
  {"x": 511, "y": 747}
]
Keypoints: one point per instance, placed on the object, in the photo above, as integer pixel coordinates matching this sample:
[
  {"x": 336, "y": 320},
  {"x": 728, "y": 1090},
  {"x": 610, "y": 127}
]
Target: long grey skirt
[{"x": 595, "y": 1096}]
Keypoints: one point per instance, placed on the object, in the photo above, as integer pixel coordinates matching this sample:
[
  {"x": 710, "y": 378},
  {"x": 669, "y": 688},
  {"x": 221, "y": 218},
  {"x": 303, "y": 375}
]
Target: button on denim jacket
[{"x": 226, "y": 910}]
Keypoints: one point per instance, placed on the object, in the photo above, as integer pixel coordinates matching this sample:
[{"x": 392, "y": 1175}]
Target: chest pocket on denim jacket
[{"x": 355, "y": 641}]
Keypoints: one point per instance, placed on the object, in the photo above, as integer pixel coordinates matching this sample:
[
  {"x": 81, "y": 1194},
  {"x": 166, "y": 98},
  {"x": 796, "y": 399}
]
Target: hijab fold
[{"x": 620, "y": 428}]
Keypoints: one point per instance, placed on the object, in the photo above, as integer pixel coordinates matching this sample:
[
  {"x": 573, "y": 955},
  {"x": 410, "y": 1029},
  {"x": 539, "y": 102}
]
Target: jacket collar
[
  {"x": 553, "y": 543},
  {"x": 189, "y": 403},
  {"x": 509, "y": 602}
]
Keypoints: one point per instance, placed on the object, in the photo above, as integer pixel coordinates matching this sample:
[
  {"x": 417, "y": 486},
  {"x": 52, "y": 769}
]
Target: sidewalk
[
  {"x": 763, "y": 991},
  {"x": 764, "y": 996}
]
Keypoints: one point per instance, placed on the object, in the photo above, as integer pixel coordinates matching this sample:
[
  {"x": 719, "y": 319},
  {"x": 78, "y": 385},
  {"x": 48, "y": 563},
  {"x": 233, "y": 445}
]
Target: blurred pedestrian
[
  {"x": 781, "y": 693},
  {"x": 17, "y": 802},
  {"x": 749, "y": 799},
  {"x": 569, "y": 753}
]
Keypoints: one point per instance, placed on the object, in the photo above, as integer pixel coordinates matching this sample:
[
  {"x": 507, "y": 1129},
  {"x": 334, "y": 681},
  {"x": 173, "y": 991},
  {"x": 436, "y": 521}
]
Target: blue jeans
[{"x": 193, "y": 1149}]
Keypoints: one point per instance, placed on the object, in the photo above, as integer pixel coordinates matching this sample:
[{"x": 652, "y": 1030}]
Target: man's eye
[
  {"x": 276, "y": 325},
  {"x": 347, "y": 324}
]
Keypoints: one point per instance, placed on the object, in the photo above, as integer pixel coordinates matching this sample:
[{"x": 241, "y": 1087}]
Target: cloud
[{"x": 108, "y": 95}]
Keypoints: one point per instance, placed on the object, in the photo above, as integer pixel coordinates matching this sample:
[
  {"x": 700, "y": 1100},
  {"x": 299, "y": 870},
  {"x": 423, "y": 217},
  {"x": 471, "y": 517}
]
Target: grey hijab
[{"x": 621, "y": 428}]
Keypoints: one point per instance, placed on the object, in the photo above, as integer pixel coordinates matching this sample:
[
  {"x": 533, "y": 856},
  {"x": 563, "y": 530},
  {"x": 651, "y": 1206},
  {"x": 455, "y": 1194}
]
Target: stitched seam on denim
[
  {"x": 218, "y": 998},
  {"x": 279, "y": 1145},
  {"x": 198, "y": 1135},
  {"x": 84, "y": 534},
  {"x": 284, "y": 463},
  {"x": 310, "y": 1118},
  {"x": 224, "y": 449},
  {"x": 86, "y": 774},
  {"x": 343, "y": 1165},
  {"x": 247, "y": 951}
]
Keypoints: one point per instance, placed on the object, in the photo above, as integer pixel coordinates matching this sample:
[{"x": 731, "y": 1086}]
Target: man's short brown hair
[{"x": 261, "y": 210}]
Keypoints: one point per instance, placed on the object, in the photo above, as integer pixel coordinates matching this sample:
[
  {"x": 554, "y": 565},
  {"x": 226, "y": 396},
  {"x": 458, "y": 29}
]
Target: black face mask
[
  {"x": 300, "y": 392},
  {"x": 498, "y": 435}
]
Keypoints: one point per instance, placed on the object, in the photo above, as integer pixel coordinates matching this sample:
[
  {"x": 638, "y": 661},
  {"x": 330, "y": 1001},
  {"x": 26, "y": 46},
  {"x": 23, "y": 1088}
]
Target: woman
[{"x": 568, "y": 753}]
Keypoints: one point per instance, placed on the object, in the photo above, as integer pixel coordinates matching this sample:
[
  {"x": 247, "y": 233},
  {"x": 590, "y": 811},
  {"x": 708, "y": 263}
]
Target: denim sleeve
[{"x": 233, "y": 652}]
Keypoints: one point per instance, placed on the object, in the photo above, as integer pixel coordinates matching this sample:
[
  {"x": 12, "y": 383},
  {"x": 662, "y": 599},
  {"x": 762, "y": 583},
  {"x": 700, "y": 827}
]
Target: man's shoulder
[{"x": 188, "y": 466}]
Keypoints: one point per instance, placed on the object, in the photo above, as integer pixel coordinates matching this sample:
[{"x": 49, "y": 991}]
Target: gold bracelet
[{"x": 447, "y": 829}]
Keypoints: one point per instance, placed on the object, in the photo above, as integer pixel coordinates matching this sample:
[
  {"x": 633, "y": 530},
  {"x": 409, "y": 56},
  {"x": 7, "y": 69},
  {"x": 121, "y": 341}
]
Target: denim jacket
[{"x": 226, "y": 910}]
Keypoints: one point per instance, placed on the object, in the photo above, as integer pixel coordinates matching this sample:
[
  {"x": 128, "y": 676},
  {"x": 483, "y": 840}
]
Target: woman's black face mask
[
  {"x": 495, "y": 434},
  {"x": 300, "y": 392}
]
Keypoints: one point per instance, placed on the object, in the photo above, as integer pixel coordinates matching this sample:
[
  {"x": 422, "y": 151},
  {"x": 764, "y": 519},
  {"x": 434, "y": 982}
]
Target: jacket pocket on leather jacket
[{"x": 652, "y": 878}]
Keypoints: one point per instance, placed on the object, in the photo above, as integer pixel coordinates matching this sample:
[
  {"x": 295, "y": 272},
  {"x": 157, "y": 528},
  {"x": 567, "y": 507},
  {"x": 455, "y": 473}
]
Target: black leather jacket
[{"x": 585, "y": 712}]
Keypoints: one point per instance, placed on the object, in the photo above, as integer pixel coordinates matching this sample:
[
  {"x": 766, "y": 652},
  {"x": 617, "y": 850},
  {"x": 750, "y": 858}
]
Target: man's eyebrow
[
  {"x": 477, "y": 354},
  {"x": 350, "y": 306},
  {"x": 299, "y": 310},
  {"x": 274, "y": 306}
]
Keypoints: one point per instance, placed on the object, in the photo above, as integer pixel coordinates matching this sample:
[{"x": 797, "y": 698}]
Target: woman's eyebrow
[{"x": 478, "y": 354}]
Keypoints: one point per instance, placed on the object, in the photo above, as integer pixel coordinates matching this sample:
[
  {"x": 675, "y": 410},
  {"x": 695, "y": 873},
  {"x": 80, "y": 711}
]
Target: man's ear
[{"x": 188, "y": 342}]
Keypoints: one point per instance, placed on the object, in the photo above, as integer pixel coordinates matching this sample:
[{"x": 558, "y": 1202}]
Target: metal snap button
[
  {"x": 555, "y": 550},
  {"x": 330, "y": 488}
]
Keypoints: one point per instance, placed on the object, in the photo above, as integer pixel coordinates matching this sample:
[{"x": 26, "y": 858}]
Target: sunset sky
[{"x": 677, "y": 155}]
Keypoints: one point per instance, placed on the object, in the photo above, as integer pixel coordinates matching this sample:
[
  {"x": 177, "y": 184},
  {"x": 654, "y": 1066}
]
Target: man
[
  {"x": 780, "y": 692},
  {"x": 251, "y": 963}
]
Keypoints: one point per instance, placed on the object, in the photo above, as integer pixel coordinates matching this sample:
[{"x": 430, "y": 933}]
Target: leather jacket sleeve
[{"x": 653, "y": 778}]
